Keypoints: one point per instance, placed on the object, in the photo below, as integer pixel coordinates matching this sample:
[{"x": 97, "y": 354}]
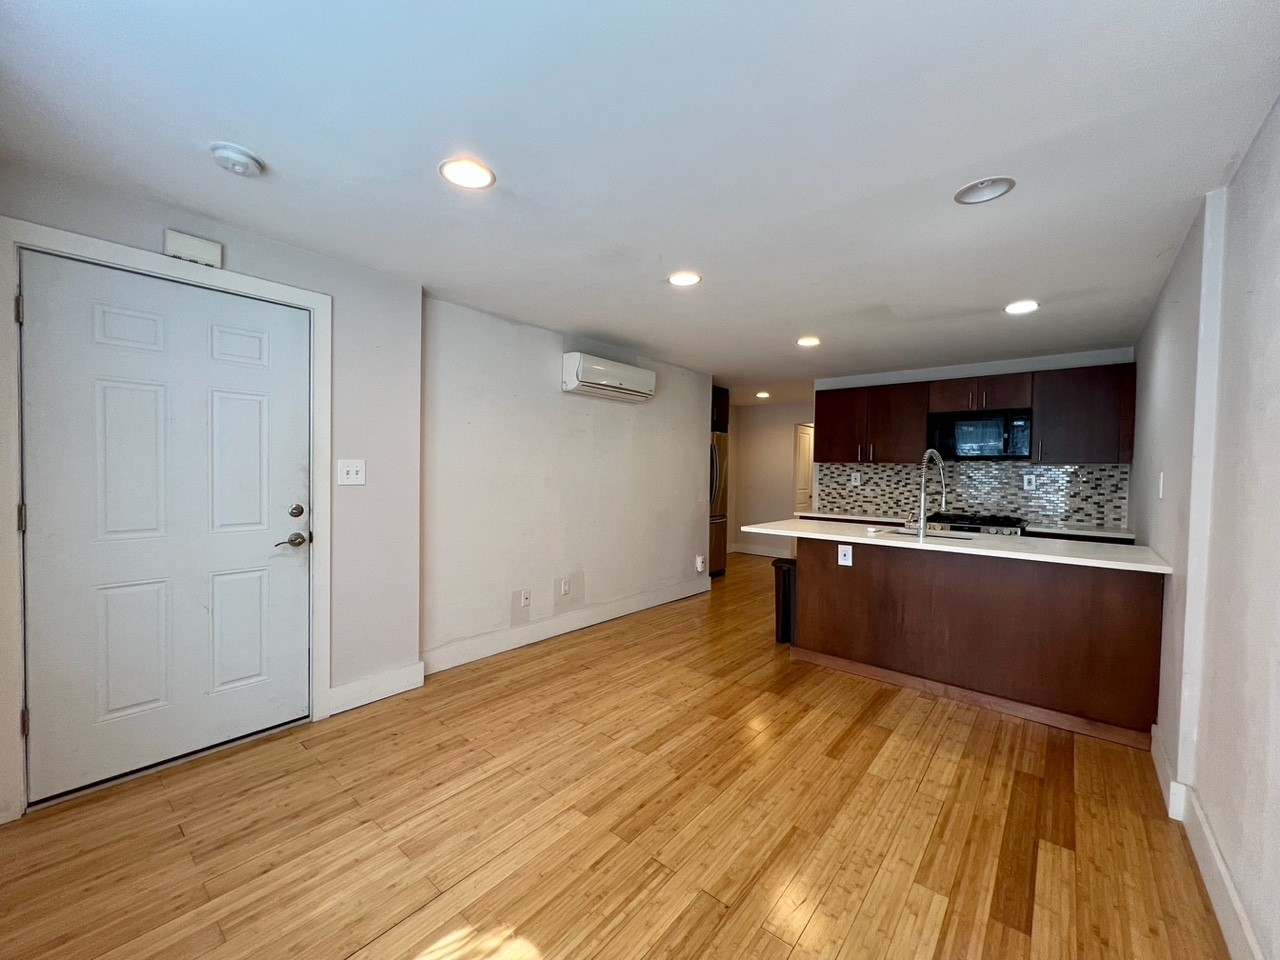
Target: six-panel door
[{"x": 166, "y": 437}]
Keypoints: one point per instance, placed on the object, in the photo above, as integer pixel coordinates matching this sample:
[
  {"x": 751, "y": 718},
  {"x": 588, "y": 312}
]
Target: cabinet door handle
[
  {"x": 984, "y": 399},
  {"x": 1040, "y": 456},
  {"x": 872, "y": 457},
  {"x": 859, "y": 453},
  {"x": 970, "y": 399}
]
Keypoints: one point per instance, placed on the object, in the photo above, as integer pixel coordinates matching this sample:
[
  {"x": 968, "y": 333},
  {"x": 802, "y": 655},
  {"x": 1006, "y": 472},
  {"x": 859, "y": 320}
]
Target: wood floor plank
[
  {"x": 667, "y": 785},
  {"x": 1013, "y": 900},
  {"x": 1053, "y": 928}
]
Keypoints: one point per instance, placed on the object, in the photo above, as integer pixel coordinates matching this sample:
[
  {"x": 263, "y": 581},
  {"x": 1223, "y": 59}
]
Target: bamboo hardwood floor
[{"x": 668, "y": 785}]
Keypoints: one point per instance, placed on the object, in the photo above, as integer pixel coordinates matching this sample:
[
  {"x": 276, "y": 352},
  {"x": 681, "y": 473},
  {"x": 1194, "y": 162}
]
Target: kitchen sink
[{"x": 933, "y": 536}]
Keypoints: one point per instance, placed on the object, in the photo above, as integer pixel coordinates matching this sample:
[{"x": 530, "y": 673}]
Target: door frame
[
  {"x": 795, "y": 464},
  {"x": 17, "y": 235}
]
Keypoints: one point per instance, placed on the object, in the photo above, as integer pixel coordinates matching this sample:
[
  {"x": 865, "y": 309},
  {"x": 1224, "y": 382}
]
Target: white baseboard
[
  {"x": 1242, "y": 944},
  {"x": 357, "y": 693},
  {"x": 1174, "y": 790},
  {"x": 783, "y": 548},
  {"x": 486, "y": 645}
]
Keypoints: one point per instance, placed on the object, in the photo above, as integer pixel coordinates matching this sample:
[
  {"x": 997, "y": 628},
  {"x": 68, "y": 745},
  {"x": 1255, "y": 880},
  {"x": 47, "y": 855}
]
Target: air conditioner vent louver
[{"x": 597, "y": 377}]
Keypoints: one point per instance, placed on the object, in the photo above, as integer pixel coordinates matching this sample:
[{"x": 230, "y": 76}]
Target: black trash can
[{"x": 784, "y": 601}]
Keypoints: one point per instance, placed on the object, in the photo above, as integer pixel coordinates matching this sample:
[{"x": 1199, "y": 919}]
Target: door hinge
[
  {"x": 24, "y": 722},
  {"x": 22, "y": 518},
  {"x": 17, "y": 309}
]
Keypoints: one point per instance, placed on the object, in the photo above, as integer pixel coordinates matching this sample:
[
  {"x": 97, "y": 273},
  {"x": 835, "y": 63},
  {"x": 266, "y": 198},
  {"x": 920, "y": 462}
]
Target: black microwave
[{"x": 988, "y": 435}]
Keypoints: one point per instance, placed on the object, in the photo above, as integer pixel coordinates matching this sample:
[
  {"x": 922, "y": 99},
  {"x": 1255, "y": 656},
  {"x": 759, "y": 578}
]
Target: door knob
[{"x": 295, "y": 540}]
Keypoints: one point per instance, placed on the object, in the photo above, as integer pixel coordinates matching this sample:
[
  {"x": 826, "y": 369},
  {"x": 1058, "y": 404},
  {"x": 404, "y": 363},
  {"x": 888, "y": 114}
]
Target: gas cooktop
[{"x": 991, "y": 523}]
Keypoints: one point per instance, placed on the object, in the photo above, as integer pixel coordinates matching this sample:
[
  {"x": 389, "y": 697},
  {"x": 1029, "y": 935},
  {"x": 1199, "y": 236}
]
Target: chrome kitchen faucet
[{"x": 934, "y": 455}]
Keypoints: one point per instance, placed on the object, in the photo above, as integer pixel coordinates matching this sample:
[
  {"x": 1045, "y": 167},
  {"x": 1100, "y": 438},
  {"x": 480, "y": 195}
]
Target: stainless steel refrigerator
[{"x": 718, "y": 543}]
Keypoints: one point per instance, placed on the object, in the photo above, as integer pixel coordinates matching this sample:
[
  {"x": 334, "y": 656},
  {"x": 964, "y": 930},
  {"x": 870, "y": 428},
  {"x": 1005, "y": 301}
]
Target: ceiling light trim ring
[
  {"x": 467, "y": 173},
  {"x": 1022, "y": 307},
  {"x": 984, "y": 190}
]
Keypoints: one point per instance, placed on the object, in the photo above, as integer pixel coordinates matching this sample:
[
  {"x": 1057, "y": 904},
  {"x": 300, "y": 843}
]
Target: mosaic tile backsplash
[{"x": 1089, "y": 494}]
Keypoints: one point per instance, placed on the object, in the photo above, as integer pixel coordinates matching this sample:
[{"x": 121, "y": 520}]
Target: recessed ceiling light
[
  {"x": 467, "y": 172},
  {"x": 684, "y": 278},
  {"x": 808, "y": 342},
  {"x": 1019, "y": 307},
  {"x": 236, "y": 159},
  {"x": 762, "y": 395},
  {"x": 980, "y": 191}
]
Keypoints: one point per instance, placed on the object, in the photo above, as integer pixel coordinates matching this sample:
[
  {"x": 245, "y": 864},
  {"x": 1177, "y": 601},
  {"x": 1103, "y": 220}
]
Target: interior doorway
[{"x": 803, "y": 475}]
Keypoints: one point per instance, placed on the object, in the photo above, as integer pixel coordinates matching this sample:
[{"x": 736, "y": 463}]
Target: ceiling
[{"x": 800, "y": 155}]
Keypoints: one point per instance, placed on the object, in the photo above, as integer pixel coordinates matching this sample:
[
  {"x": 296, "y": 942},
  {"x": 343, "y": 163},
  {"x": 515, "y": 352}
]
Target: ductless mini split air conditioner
[{"x": 598, "y": 377}]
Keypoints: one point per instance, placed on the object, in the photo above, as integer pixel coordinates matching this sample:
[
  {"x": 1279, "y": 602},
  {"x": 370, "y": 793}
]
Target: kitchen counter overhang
[
  {"x": 1061, "y": 632},
  {"x": 1111, "y": 556}
]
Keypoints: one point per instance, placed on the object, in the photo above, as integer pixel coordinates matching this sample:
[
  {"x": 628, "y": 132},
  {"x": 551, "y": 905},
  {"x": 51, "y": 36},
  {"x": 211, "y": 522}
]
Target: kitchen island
[{"x": 1059, "y": 631}]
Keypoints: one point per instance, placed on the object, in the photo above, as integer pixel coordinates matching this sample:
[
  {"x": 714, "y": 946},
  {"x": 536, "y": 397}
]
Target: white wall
[
  {"x": 1236, "y": 796},
  {"x": 524, "y": 485},
  {"x": 761, "y": 478},
  {"x": 1166, "y": 358},
  {"x": 376, "y": 409}
]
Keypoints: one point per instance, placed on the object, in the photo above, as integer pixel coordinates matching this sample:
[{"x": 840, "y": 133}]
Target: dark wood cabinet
[
  {"x": 1083, "y": 641},
  {"x": 871, "y": 424},
  {"x": 840, "y": 425},
  {"x": 1010, "y": 391},
  {"x": 1083, "y": 415},
  {"x": 953, "y": 396},
  {"x": 897, "y": 422},
  {"x": 719, "y": 410}
]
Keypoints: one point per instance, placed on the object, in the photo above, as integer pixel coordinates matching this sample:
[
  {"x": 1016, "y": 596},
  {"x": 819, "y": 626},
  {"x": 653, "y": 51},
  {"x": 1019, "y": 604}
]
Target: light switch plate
[
  {"x": 351, "y": 473},
  {"x": 1028, "y": 481},
  {"x": 844, "y": 554},
  {"x": 855, "y": 479}
]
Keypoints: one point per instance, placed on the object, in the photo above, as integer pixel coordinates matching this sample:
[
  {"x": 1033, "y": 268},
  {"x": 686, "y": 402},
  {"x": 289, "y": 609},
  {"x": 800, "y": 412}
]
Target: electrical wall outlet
[
  {"x": 700, "y": 563},
  {"x": 351, "y": 473},
  {"x": 855, "y": 479},
  {"x": 524, "y": 598},
  {"x": 844, "y": 554},
  {"x": 1028, "y": 481},
  {"x": 564, "y": 586}
]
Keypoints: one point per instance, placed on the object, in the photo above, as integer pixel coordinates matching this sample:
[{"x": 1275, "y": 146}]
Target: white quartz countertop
[
  {"x": 1067, "y": 530},
  {"x": 1113, "y": 556}
]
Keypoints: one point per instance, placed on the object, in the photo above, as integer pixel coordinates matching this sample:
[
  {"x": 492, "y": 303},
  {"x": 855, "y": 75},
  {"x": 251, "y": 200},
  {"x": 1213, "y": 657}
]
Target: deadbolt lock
[{"x": 297, "y": 510}]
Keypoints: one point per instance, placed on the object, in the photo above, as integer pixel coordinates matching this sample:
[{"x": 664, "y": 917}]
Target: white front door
[
  {"x": 804, "y": 467},
  {"x": 166, "y": 434}
]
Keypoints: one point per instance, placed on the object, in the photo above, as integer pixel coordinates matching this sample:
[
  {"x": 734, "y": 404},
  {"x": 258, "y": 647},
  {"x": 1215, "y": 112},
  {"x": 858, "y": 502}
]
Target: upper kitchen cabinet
[
  {"x": 840, "y": 425},
  {"x": 719, "y": 410},
  {"x": 897, "y": 422},
  {"x": 1010, "y": 391},
  {"x": 1083, "y": 415},
  {"x": 953, "y": 396}
]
